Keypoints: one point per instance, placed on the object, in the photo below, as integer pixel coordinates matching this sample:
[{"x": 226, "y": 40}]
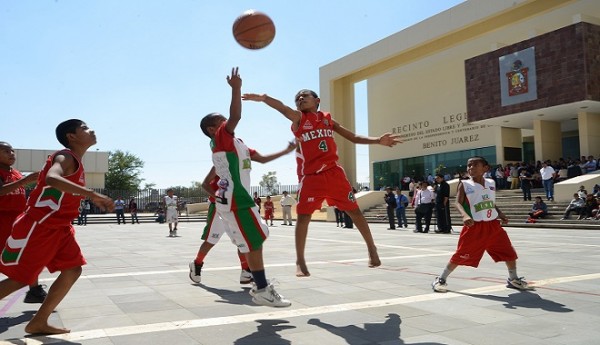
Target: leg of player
[
  {"x": 301, "y": 233},
  {"x": 56, "y": 293},
  {"x": 362, "y": 225}
]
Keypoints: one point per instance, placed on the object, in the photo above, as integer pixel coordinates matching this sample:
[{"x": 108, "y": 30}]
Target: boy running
[
  {"x": 321, "y": 177},
  {"x": 42, "y": 236},
  {"x": 482, "y": 230}
]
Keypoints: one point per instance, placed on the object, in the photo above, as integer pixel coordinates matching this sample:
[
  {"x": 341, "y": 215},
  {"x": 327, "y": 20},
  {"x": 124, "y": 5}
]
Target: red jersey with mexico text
[
  {"x": 317, "y": 150},
  {"x": 15, "y": 200},
  {"x": 50, "y": 206},
  {"x": 231, "y": 158}
]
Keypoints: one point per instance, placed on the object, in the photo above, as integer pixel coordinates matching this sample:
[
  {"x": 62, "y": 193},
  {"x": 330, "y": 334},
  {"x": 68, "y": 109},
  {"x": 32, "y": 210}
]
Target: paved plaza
[{"x": 135, "y": 290}]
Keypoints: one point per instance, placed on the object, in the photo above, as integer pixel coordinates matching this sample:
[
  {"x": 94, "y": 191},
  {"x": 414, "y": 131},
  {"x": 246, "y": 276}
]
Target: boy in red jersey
[
  {"x": 269, "y": 210},
  {"x": 321, "y": 177},
  {"x": 234, "y": 204},
  {"x": 482, "y": 230},
  {"x": 12, "y": 203},
  {"x": 42, "y": 236}
]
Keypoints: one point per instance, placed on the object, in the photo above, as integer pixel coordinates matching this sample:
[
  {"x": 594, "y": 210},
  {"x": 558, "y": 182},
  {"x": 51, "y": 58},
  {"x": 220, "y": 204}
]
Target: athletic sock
[
  {"x": 445, "y": 274},
  {"x": 243, "y": 261},
  {"x": 512, "y": 274},
  {"x": 260, "y": 279}
]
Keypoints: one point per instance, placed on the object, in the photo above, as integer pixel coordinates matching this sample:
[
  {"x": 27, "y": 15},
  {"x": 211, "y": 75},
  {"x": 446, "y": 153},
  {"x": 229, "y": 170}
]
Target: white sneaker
[
  {"x": 270, "y": 298},
  {"x": 439, "y": 285},
  {"x": 195, "y": 272},
  {"x": 246, "y": 277},
  {"x": 519, "y": 284}
]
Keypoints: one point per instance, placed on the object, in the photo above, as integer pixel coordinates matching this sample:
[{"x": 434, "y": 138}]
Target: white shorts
[
  {"x": 246, "y": 228},
  {"x": 172, "y": 216}
]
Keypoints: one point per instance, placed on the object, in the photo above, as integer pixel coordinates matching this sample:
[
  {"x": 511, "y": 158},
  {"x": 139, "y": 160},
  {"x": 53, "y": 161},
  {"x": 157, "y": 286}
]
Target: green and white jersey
[
  {"x": 480, "y": 200},
  {"x": 231, "y": 158}
]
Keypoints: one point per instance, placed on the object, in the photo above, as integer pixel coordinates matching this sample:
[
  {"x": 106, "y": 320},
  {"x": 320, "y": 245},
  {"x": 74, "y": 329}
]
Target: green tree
[
  {"x": 124, "y": 171},
  {"x": 269, "y": 182}
]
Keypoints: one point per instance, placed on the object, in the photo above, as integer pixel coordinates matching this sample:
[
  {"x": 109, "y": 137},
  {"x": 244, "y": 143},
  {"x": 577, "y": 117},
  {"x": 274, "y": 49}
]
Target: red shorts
[
  {"x": 331, "y": 185},
  {"x": 6, "y": 223},
  {"x": 32, "y": 247},
  {"x": 482, "y": 237},
  {"x": 268, "y": 214}
]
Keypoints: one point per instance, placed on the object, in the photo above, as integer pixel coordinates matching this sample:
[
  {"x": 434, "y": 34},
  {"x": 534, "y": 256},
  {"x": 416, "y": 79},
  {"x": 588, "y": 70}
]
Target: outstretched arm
[
  {"x": 386, "y": 139},
  {"x": 257, "y": 157},
  {"x": 291, "y": 114},
  {"x": 12, "y": 186},
  {"x": 235, "y": 108}
]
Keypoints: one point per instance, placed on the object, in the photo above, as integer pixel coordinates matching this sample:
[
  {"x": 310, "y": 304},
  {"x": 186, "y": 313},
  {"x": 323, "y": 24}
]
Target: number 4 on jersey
[{"x": 323, "y": 146}]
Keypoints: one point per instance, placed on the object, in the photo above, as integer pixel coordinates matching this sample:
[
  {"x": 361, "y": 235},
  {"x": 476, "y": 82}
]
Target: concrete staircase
[
  {"x": 111, "y": 218},
  {"x": 511, "y": 203}
]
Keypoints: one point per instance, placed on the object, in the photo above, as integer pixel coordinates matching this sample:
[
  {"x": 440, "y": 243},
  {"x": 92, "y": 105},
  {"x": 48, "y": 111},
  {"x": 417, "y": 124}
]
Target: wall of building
[{"x": 95, "y": 163}]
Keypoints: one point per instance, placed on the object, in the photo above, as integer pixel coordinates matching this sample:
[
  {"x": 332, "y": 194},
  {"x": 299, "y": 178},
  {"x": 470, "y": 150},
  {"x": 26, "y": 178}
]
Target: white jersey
[
  {"x": 480, "y": 201},
  {"x": 171, "y": 203}
]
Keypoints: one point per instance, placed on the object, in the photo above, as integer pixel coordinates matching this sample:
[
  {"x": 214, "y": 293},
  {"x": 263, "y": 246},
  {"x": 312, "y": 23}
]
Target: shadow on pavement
[
  {"x": 266, "y": 333},
  {"x": 388, "y": 331},
  {"x": 524, "y": 299}
]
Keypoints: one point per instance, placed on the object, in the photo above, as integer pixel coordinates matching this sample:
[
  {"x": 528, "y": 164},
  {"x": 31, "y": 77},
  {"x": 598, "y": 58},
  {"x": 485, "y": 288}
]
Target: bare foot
[
  {"x": 44, "y": 328},
  {"x": 374, "y": 260},
  {"x": 302, "y": 270}
]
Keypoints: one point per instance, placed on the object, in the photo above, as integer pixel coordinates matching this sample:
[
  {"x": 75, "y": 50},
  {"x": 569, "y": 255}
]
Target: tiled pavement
[{"x": 135, "y": 290}]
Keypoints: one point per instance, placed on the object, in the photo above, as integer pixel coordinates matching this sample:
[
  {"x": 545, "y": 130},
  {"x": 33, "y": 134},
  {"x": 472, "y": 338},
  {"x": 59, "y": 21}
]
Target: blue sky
[{"x": 143, "y": 73}]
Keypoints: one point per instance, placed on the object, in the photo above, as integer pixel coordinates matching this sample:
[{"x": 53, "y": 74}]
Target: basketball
[{"x": 253, "y": 30}]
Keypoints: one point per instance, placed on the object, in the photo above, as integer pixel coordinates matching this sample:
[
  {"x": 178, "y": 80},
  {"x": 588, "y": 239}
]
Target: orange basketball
[{"x": 253, "y": 30}]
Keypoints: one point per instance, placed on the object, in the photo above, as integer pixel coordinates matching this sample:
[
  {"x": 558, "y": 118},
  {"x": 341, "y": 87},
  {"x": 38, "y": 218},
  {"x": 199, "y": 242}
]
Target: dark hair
[
  {"x": 67, "y": 127},
  {"x": 314, "y": 94},
  {"x": 209, "y": 121},
  {"x": 439, "y": 175},
  {"x": 479, "y": 158}
]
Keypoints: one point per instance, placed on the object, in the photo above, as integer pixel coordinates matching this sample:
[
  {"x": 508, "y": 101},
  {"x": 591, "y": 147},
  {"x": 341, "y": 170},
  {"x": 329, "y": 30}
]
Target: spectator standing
[
  {"x": 339, "y": 217},
  {"x": 120, "y": 210},
  {"x": 171, "y": 215},
  {"x": 390, "y": 200},
  {"x": 442, "y": 205},
  {"x": 257, "y": 201},
  {"x": 423, "y": 208},
  {"x": 514, "y": 176},
  {"x": 548, "y": 174},
  {"x": 84, "y": 210},
  {"x": 500, "y": 181},
  {"x": 411, "y": 189},
  {"x": 401, "y": 204},
  {"x": 526, "y": 185},
  {"x": 133, "y": 210},
  {"x": 287, "y": 202}
]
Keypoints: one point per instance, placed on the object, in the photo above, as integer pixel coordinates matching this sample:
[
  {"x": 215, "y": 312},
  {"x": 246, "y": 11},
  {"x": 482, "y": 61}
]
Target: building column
[
  {"x": 547, "y": 138},
  {"x": 343, "y": 111},
  {"x": 589, "y": 133},
  {"x": 507, "y": 137}
]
